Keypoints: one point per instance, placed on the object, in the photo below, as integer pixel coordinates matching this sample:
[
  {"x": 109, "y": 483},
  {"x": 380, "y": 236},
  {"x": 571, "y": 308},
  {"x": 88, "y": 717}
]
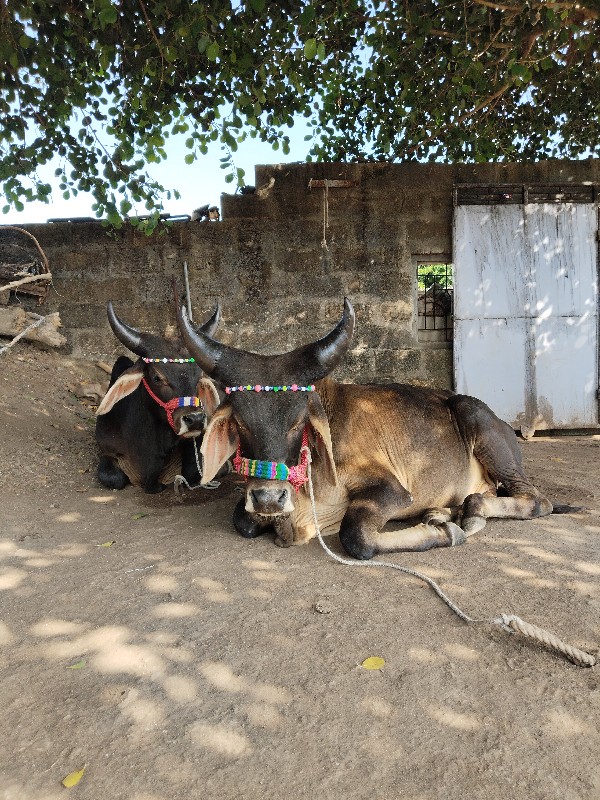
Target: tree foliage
[{"x": 102, "y": 84}]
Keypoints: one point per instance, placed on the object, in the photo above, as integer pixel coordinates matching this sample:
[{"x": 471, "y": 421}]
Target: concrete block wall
[{"x": 279, "y": 274}]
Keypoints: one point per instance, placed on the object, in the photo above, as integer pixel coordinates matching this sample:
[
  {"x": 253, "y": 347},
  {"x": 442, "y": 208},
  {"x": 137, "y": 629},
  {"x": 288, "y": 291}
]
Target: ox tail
[{"x": 561, "y": 508}]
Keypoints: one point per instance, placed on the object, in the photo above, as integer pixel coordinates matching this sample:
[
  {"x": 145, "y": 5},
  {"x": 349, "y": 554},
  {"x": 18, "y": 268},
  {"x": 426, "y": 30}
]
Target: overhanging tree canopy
[{"x": 102, "y": 84}]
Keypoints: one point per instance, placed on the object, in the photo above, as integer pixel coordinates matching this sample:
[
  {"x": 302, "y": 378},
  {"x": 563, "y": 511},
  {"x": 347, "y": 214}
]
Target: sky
[{"x": 199, "y": 183}]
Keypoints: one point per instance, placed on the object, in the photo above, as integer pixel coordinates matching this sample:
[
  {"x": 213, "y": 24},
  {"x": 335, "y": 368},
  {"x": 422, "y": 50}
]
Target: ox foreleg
[{"x": 371, "y": 507}]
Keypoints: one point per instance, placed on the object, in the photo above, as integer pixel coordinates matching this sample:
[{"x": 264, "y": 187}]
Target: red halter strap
[{"x": 176, "y": 402}]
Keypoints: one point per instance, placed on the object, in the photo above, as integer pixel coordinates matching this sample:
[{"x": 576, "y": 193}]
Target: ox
[
  {"x": 441, "y": 460},
  {"x": 153, "y": 410}
]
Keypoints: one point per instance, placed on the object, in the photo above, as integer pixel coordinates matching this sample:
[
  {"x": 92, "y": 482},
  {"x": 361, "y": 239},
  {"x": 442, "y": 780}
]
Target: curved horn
[
  {"x": 328, "y": 351},
  {"x": 127, "y": 335},
  {"x": 211, "y": 325},
  {"x": 205, "y": 350}
]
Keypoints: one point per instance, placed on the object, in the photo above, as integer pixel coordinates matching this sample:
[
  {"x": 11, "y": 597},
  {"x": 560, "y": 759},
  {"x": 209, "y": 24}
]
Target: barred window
[{"x": 435, "y": 301}]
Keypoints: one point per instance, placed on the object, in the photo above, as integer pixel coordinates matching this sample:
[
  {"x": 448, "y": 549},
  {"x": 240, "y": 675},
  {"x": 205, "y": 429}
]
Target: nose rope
[
  {"x": 275, "y": 470},
  {"x": 508, "y": 622},
  {"x": 171, "y": 405}
]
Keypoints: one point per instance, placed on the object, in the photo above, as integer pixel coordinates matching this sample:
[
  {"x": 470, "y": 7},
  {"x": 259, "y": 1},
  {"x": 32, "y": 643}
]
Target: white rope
[
  {"x": 180, "y": 481},
  {"x": 508, "y": 622},
  {"x": 33, "y": 325}
]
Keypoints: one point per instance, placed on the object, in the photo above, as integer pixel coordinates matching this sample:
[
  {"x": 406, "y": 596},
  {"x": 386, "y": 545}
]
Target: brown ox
[{"x": 380, "y": 452}]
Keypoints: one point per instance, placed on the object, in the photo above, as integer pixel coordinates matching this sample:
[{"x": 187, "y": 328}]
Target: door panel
[{"x": 526, "y": 312}]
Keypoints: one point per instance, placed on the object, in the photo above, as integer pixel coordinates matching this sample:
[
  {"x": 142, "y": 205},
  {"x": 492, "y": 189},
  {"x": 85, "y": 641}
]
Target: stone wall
[{"x": 281, "y": 260}]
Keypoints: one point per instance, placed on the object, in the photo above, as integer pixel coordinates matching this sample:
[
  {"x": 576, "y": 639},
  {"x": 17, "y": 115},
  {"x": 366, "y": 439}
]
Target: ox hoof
[
  {"x": 455, "y": 534},
  {"x": 281, "y": 542},
  {"x": 471, "y": 525},
  {"x": 284, "y": 533},
  {"x": 436, "y": 516}
]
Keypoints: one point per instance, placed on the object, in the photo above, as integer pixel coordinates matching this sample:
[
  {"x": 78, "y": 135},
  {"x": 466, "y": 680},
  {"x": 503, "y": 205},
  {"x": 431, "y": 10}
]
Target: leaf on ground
[
  {"x": 373, "y": 662},
  {"x": 78, "y": 664},
  {"x": 107, "y": 544},
  {"x": 139, "y": 516},
  {"x": 73, "y": 778}
]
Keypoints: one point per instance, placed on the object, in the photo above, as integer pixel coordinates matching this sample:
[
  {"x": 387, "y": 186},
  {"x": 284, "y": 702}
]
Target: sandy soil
[{"x": 214, "y": 667}]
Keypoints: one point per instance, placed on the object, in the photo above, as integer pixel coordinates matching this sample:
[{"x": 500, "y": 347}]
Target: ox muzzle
[
  {"x": 269, "y": 486},
  {"x": 189, "y": 424},
  {"x": 269, "y": 498},
  {"x": 181, "y": 416}
]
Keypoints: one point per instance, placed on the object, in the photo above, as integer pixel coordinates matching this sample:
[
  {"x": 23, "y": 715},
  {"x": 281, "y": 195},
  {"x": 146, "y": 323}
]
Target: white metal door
[{"x": 526, "y": 312}]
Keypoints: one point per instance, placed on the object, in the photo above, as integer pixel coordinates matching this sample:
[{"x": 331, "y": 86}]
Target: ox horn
[
  {"x": 199, "y": 342},
  {"x": 327, "y": 352},
  {"x": 130, "y": 337},
  {"x": 211, "y": 325},
  {"x": 134, "y": 340},
  {"x": 316, "y": 359}
]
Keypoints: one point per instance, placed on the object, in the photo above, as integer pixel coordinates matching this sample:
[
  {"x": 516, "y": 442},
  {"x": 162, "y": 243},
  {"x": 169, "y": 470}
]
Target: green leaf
[
  {"x": 212, "y": 51},
  {"x": 78, "y": 664},
  {"x": 108, "y": 16},
  {"x": 310, "y": 49}
]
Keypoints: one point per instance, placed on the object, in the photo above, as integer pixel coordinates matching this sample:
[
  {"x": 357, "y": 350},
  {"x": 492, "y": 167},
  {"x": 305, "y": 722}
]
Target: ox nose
[
  {"x": 269, "y": 501},
  {"x": 194, "y": 421}
]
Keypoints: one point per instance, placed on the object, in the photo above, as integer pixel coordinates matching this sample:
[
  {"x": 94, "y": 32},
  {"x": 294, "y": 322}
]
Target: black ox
[
  {"x": 443, "y": 461},
  {"x": 145, "y": 437}
]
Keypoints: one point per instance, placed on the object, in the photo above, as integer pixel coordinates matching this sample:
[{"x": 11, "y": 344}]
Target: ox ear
[
  {"x": 219, "y": 443},
  {"x": 207, "y": 392},
  {"x": 125, "y": 384},
  {"x": 321, "y": 440}
]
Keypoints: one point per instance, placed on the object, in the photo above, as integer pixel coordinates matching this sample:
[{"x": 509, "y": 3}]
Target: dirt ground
[{"x": 183, "y": 661}]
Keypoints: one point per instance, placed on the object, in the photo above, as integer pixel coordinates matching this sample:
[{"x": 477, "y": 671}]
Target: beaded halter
[
  {"x": 273, "y": 470},
  {"x": 176, "y": 402}
]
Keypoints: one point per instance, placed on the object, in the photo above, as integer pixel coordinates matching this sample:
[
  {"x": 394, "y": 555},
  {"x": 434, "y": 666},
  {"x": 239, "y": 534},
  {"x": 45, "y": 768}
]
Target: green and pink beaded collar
[{"x": 258, "y": 388}]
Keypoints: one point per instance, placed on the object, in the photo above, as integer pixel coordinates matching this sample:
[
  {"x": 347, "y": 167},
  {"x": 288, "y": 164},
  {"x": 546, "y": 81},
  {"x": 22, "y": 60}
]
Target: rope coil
[{"x": 508, "y": 622}]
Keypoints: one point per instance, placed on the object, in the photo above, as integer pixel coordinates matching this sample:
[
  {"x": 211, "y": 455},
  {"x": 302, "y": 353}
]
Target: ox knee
[
  {"x": 245, "y": 524},
  {"x": 110, "y": 475},
  {"x": 355, "y": 543}
]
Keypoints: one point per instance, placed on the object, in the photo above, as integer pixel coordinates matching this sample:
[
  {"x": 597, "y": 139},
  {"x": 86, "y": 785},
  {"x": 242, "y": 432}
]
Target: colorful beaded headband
[
  {"x": 258, "y": 388},
  {"x": 273, "y": 470},
  {"x": 168, "y": 360}
]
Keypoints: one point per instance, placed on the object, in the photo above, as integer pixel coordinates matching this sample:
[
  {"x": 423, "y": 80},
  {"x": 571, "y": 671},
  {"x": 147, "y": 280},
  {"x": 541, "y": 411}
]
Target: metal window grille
[{"x": 435, "y": 301}]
